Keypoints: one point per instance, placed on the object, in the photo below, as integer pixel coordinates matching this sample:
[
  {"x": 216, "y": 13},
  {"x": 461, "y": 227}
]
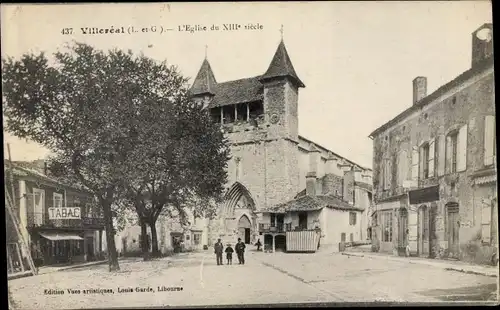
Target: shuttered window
[
  {"x": 430, "y": 158},
  {"x": 441, "y": 154},
  {"x": 402, "y": 167},
  {"x": 414, "y": 165},
  {"x": 452, "y": 152},
  {"x": 461, "y": 152},
  {"x": 387, "y": 174},
  {"x": 489, "y": 140}
]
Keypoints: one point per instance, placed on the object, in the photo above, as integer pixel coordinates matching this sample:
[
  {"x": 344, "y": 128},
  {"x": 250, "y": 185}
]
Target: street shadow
[{"x": 485, "y": 292}]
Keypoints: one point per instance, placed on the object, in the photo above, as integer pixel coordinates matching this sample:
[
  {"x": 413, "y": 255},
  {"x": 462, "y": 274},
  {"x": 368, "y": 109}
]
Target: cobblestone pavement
[{"x": 265, "y": 278}]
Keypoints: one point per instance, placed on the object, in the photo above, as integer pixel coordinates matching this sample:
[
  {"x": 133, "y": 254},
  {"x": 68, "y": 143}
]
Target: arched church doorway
[
  {"x": 244, "y": 227},
  {"x": 238, "y": 213}
]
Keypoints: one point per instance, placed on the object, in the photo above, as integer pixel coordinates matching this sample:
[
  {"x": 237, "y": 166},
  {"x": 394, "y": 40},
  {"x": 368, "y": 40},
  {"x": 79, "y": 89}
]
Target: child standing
[{"x": 229, "y": 254}]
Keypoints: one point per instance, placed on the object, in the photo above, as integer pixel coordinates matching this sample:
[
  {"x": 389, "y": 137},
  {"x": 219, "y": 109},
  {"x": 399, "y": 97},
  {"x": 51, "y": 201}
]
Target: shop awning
[{"x": 55, "y": 236}]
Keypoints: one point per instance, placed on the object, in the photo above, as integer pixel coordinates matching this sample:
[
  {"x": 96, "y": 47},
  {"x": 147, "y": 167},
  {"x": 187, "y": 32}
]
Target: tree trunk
[
  {"x": 154, "y": 239},
  {"x": 144, "y": 239},
  {"x": 110, "y": 237}
]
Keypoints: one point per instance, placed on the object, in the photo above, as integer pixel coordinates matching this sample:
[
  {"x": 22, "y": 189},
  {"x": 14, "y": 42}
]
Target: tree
[
  {"x": 179, "y": 155},
  {"x": 80, "y": 107}
]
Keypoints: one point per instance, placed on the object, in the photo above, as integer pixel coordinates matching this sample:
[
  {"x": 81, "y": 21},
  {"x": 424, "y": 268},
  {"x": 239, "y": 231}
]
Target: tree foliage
[{"x": 122, "y": 126}]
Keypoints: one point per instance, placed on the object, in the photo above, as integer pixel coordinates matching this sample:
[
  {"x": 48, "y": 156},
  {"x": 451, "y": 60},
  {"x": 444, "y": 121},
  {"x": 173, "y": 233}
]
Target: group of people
[{"x": 239, "y": 249}]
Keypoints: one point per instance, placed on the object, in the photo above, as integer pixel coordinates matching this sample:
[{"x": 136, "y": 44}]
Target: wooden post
[
  {"x": 248, "y": 112},
  {"x": 9, "y": 257},
  {"x": 21, "y": 263},
  {"x": 222, "y": 115},
  {"x": 235, "y": 112},
  {"x": 274, "y": 245}
]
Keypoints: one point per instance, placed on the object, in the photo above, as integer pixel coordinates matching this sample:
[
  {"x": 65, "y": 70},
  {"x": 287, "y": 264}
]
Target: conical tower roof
[
  {"x": 281, "y": 66},
  {"x": 205, "y": 82}
]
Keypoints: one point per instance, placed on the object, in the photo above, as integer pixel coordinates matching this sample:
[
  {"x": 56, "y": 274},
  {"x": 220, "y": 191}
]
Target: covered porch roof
[{"x": 311, "y": 203}]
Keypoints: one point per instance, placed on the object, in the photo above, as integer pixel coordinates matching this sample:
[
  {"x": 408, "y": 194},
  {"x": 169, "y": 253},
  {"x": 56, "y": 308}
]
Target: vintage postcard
[{"x": 249, "y": 154}]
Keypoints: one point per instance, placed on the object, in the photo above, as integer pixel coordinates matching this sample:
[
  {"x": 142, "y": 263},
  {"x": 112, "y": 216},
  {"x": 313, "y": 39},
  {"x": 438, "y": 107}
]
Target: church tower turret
[
  {"x": 203, "y": 88},
  {"x": 280, "y": 100},
  {"x": 281, "y": 91}
]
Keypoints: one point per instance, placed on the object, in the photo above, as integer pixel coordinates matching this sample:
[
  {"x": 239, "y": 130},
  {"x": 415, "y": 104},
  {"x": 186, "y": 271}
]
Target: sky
[{"x": 357, "y": 59}]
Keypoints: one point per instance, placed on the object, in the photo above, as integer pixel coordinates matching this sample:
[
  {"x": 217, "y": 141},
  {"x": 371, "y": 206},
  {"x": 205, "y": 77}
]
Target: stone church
[{"x": 270, "y": 159}]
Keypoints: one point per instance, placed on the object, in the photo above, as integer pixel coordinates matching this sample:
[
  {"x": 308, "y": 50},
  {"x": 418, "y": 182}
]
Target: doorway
[
  {"x": 280, "y": 221},
  {"x": 244, "y": 228},
  {"x": 280, "y": 243},
  {"x": 403, "y": 231},
  {"x": 423, "y": 231},
  {"x": 452, "y": 229},
  {"x": 247, "y": 235},
  {"x": 303, "y": 220}
]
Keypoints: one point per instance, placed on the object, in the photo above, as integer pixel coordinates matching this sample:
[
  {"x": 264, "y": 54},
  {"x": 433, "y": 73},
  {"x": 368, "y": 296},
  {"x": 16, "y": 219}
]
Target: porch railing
[{"x": 267, "y": 227}]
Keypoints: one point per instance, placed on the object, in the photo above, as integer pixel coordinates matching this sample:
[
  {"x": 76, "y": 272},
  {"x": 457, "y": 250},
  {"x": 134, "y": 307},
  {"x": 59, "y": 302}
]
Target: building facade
[
  {"x": 270, "y": 160},
  {"x": 61, "y": 223},
  {"x": 435, "y": 167}
]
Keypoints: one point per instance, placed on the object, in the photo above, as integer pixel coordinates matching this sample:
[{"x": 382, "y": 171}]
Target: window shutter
[
  {"x": 449, "y": 154},
  {"x": 486, "y": 222},
  {"x": 441, "y": 155},
  {"x": 432, "y": 151},
  {"x": 402, "y": 167},
  {"x": 421, "y": 163},
  {"x": 489, "y": 139},
  {"x": 414, "y": 165},
  {"x": 389, "y": 173},
  {"x": 462, "y": 149}
]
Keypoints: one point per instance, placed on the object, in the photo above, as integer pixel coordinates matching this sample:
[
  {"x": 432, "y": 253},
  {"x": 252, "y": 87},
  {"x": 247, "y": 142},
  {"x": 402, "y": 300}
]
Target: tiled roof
[
  {"x": 205, "y": 82},
  {"x": 238, "y": 91},
  {"x": 312, "y": 203},
  {"x": 480, "y": 67},
  {"x": 281, "y": 66},
  {"x": 21, "y": 170}
]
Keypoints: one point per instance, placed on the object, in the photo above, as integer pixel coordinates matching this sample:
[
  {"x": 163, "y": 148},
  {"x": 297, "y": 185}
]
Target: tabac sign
[
  {"x": 64, "y": 213},
  {"x": 424, "y": 195}
]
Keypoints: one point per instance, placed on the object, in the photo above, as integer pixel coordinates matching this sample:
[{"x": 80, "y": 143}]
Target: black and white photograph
[{"x": 239, "y": 154}]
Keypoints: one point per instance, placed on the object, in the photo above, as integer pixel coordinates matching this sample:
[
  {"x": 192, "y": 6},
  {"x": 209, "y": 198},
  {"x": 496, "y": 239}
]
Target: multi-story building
[
  {"x": 60, "y": 223},
  {"x": 435, "y": 167},
  {"x": 270, "y": 160}
]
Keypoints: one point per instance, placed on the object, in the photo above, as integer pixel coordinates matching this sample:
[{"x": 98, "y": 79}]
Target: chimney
[
  {"x": 332, "y": 181},
  {"x": 419, "y": 88},
  {"x": 311, "y": 183},
  {"x": 358, "y": 177},
  {"x": 348, "y": 186},
  {"x": 482, "y": 43},
  {"x": 331, "y": 166},
  {"x": 311, "y": 176}
]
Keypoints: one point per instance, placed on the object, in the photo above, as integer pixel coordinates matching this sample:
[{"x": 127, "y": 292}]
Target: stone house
[
  {"x": 170, "y": 232},
  {"x": 435, "y": 167},
  {"x": 61, "y": 223},
  {"x": 270, "y": 160}
]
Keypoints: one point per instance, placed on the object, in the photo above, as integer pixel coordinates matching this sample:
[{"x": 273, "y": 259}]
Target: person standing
[
  {"x": 229, "y": 254},
  {"x": 258, "y": 244},
  {"x": 240, "y": 251},
  {"x": 218, "y": 249}
]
